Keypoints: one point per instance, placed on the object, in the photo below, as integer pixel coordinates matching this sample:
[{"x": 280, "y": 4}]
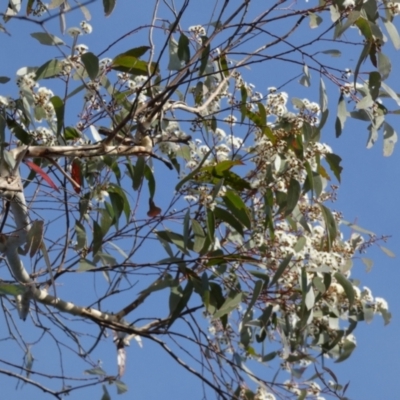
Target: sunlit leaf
[{"x": 47, "y": 39}]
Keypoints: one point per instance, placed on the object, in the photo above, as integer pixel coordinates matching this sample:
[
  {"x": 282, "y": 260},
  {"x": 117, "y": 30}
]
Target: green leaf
[
  {"x": 108, "y": 6},
  {"x": 266, "y": 315},
  {"x": 228, "y": 218},
  {"x": 180, "y": 303},
  {"x": 8, "y": 289},
  {"x": 333, "y": 52},
  {"x": 204, "y": 55},
  {"x": 174, "y": 238},
  {"x": 230, "y": 304},
  {"x": 293, "y": 195},
  {"x": 199, "y": 236},
  {"x": 323, "y": 97},
  {"x": 341, "y": 116},
  {"x": 96, "y": 371},
  {"x": 334, "y": 163},
  {"x": 305, "y": 80},
  {"x": 374, "y": 84},
  {"x": 346, "y": 350},
  {"x": 97, "y": 238},
  {"x": 106, "y": 395},
  {"x": 48, "y": 70},
  {"x": 261, "y": 275},
  {"x": 148, "y": 174},
  {"x": 59, "y": 110},
  {"x": 20, "y": 133},
  {"x": 363, "y": 56},
  {"x": 47, "y": 39},
  {"x": 159, "y": 284},
  {"x": 71, "y": 133},
  {"x": 4, "y": 79},
  {"x": 129, "y": 62},
  {"x": 183, "y": 49},
  {"x": 119, "y": 201},
  {"x": 347, "y": 286},
  {"x": 80, "y": 236},
  {"x": 85, "y": 265},
  {"x": 258, "y": 287},
  {"x": 299, "y": 246},
  {"x": 34, "y": 238},
  {"x": 315, "y": 20},
  {"x": 175, "y": 62},
  {"x": 351, "y": 19},
  {"x": 237, "y": 207},
  {"x": 121, "y": 386},
  {"x": 330, "y": 225},
  {"x": 138, "y": 173},
  {"x": 281, "y": 269},
  {"x": 384, "y": 65},
  {"x": 91, "y": 63}
]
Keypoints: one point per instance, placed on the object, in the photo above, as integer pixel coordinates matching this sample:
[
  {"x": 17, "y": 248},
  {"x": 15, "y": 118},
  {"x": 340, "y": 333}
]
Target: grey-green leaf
[{"x": 47, "y": 39}]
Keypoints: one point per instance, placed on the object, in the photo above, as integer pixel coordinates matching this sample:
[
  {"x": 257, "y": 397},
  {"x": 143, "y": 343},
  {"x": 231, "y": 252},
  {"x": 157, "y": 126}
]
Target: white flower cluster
[{"x": 197, "y": 30}]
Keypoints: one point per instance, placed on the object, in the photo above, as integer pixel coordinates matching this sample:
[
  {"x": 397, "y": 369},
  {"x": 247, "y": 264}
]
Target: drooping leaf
[
  {"x": 228, "y": 218},
  {"x": 393, "y": 34},
  {"x": 199, "y": 236},
  {"x": 334, "y": 163},
  {"x": 80, "y": 236},
  {"x": 59, "y": 110},
  {"x": 347, "y": 286},
  {"x": 237, "y": 207},
  {"x": 293, "y": 195},
  {"x": 384, "y": 65},
  {"x": 341, "y": 116},
  {"x": 97, "y": 238},
  {"x": 183, "y": 48},
  {"x": 34, "y": 238},
  {"x": 91, "y": 63},
  {"x": 330, "y": 225},
  {"x": 108, "y": 6},
  {"x": 204, "y": 55}
]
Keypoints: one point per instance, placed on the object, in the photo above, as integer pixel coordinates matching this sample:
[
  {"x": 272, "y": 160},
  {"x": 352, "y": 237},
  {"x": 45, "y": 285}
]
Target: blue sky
[{"x": 369, "y": 196}]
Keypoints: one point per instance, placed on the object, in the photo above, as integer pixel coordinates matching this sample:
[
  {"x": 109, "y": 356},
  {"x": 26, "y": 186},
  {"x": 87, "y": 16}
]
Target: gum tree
[{"x": 162, "y": 175}]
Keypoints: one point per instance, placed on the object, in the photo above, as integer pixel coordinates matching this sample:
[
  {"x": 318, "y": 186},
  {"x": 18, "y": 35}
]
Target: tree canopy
[{"x": 170, "y": 190}]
